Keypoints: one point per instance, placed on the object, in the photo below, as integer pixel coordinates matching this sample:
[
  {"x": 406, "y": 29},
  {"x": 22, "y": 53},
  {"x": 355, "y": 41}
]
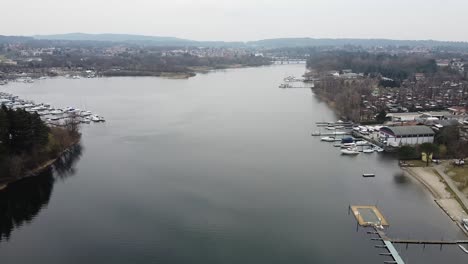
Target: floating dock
[{"x": 368, "y": 215}]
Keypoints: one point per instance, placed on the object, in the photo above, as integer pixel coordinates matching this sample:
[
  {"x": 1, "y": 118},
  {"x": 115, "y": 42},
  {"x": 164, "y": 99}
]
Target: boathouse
[{"x": 406, "y": 135}]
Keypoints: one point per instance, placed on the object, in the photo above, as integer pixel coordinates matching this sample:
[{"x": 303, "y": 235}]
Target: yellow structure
[
  {"x": 424, "y": 155},
  {"x": 368, "y": 215}
]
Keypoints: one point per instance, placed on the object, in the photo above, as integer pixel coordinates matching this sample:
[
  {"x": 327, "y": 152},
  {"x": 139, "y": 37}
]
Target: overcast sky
[{"x": 241, "y": 20}]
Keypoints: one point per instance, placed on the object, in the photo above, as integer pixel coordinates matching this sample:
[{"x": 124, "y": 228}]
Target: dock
[
  {"x": 370, "y": 216},
  {"x": 339, "y": 133}
]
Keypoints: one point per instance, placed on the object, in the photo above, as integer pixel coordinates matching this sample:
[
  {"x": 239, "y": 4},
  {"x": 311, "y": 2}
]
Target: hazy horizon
[
  {"x": 278, "y": 37},
  {"x": 241, "y": 20}
]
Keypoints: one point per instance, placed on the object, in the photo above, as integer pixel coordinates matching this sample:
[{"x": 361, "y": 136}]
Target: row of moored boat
[
  {"x": 351, "y": 147},
  {"x": 51, "y": 115}
]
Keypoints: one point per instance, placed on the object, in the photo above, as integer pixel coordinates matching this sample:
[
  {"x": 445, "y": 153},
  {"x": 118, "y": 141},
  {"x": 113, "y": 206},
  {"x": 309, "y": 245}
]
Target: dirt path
[{"x": 444, "y": 198}]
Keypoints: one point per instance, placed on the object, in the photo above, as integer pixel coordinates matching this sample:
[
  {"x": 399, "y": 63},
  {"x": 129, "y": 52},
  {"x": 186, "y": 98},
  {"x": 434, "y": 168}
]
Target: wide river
[{"x": 219, "y": 168}]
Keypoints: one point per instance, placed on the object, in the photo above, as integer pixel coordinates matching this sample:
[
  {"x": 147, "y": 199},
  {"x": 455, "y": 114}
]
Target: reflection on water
[
  {"x": 65, "y": 166},
  {"x": 400, "y": 178},
  {"x": 23, "y": 200}
]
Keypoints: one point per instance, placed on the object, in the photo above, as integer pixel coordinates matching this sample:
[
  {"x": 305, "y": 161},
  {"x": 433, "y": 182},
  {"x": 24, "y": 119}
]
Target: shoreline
[
  {"x": 441, "y": 193},
  {"x": 34, "y": 172},
  {"x": 191, "y": 71}
]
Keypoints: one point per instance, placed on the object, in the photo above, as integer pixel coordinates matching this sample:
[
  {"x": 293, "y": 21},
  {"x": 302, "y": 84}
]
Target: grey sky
[{"x": 241, "y": 19}]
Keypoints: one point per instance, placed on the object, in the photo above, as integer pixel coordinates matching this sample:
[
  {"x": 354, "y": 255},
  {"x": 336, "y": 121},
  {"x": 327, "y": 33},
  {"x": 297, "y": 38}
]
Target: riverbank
[
  {"x": 330, "y": 103},
  {"x": 443, "y": 195},
  {"x": 37, "y": 170}
]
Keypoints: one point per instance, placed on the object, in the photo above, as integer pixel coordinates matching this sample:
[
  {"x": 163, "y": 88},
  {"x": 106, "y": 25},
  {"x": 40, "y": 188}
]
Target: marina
[
  {"x": 370, "y": 216},
  {"x": 50, "y": 115},
  {"x": 260, "y": 189}
]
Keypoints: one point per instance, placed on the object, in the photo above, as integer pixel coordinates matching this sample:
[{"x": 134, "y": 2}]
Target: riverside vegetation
[{"x": 27, "y": 144}]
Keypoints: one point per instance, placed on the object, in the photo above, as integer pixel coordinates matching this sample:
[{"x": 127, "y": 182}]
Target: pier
[{"x": 370, "y": 216}]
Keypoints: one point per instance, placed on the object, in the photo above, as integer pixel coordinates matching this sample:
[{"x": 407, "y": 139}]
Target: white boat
[
  {"x": 465, "y": 223},
  {"x": 339, "y": 133},
  {"x": 348, "y": 145},
  {"x": 368, "y": 151},
  {"x": 349, "y": 151},
  {"x": 85, "y": 113},
  {"x": 328, "y": 139},
  {"x": 361, "y": 143},
  {"x": 379, "y": 149},
  {"x": 25, "y": 106},
  {"x": 56, "y": 112},
  {"x": 95, "y": 118},
  {"x": 330, "y": 128}
]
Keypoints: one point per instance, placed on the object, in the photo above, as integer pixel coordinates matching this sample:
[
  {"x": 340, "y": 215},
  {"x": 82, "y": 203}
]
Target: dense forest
[
  {"x": 26, "y": 142},
  {"x": 397, "y": 67}
]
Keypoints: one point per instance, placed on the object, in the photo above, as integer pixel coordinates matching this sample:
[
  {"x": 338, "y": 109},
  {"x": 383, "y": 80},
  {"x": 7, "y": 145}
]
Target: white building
[
  {"x": 406, "y": 135},
  {"x": 417, "y": 116}
]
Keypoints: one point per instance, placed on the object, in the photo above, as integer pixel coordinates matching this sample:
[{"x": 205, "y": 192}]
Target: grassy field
[{"x": 459, "y": 175}]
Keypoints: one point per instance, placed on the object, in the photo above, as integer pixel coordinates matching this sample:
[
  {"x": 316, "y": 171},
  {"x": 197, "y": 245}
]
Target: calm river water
[{"x": 219, "y": 168}]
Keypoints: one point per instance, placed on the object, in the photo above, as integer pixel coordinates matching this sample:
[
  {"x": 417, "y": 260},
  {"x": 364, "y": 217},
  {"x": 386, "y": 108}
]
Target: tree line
[
  {"x": 26, "y": 141},
  {"x": 397, "y": 67}
]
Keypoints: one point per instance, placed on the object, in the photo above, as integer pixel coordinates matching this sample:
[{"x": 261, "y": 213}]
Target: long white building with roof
[{"x": 406, "y": 135}]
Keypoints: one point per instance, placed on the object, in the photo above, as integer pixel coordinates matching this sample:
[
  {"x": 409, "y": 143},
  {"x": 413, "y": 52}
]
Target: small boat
[
  {"x": 339, "y": 133},
  {"x": 349, "y": 151},
  {"x": 85, "y": 113},
  {"x": 368, "y": 151},
  {"x": 361, "y": 143},
  {"x": 85, "y": 120},
  {"x": 367, "y": 175},
  {"x": 379, "y": 149},
  {"x": 347, "y": 140},
  {"x": 348, "y": 145},
  {"x": 56, "y": 112},
  {"x": 465, "y": 223},
  {"x": 95, "y": 118},
  {"x": 25, "y": 106},
  {"x": 328, "y": 139},
  {"x": 330, "y": 128}
]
